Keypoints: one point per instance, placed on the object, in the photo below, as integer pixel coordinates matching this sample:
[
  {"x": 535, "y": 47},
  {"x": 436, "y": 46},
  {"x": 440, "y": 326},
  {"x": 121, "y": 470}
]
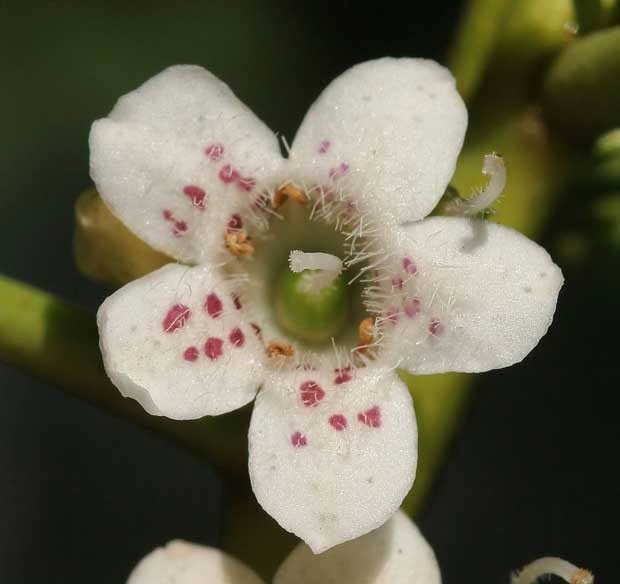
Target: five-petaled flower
[
  {"x": 333, "y": 436},
  {"x": 396, "y": 553}
]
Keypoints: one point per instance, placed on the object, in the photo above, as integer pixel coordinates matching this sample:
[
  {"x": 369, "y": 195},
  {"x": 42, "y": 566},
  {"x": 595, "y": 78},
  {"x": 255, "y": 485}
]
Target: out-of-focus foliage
[{"x": 582, "y": 88}]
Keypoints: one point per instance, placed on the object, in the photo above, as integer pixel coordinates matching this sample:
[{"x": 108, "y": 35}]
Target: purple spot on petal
[
  {"x": 338, "y": 422},
  {"x": 214, "y": 151},
  {"x": 298, "y": 440},
  {"x": 176, "y": 318},
  {"x": 213, "y": 348}
]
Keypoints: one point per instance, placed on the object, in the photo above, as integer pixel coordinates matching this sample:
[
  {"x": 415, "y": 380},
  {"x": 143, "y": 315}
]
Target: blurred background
[{"x": 84, "y": 494}]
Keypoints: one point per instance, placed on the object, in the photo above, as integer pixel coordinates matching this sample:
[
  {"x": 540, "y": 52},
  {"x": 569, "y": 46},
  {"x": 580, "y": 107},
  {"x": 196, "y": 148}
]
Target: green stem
[
  {"x": 477, "y": 34},
  {"x": 42, "y": 334}
]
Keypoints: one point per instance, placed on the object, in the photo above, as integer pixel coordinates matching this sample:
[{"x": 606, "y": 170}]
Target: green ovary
[{"x": 311, "y": 317}]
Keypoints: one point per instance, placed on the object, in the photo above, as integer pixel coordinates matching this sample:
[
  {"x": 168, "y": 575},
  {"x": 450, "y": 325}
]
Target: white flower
[
  {"x": 396, "y": 553},
  {"x": 333, "y": 437}
]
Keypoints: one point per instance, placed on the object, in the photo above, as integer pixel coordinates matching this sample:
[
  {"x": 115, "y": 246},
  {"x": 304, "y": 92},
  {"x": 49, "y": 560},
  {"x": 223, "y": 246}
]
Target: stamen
[
  {"x": 556, "y": 566},
  {"x": 280, "y": 349},
  {"x": 238, "y": 244},
  {"x": 283, "y": 193},
  {"x": 493, "y": 167},
  {"x": 326, "y": 268},
  {"x": 366, "y": 330}
]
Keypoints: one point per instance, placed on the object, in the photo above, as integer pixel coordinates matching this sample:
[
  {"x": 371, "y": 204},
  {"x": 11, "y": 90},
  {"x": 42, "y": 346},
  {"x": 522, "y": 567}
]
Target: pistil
[
  {"x": 322, "y": 269},
  {"x": 312, "y": 299}
]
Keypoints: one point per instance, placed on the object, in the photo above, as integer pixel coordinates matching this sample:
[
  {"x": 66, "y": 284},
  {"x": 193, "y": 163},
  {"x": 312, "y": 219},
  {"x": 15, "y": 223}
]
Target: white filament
[
  {"x": 495, "y": 168},
  {"x": 556, "y": 566},
  {"x": 326, "y": 268}
]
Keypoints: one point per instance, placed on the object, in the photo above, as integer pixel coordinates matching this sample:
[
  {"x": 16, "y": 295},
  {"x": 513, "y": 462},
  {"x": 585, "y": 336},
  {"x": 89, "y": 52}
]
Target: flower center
[
  {"x": 318, "y": 277},
  {"x": 312, "y": 298}
]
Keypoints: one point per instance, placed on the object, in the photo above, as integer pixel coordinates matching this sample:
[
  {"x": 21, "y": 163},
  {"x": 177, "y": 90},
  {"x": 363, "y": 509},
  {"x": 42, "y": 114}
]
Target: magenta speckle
[
  {"x": 236, "y": 302},
  {"x": 409, "y": 266},
  {"x": 237, "y": 338},
  {"x": 213, "y": 348},
  {"x": 435, "y": 327},
  {"x": 412, "y": 309},
  {"x": 246, "y": 183},
  {"x": 324, "y": 146},
  {"x": 311, "y": 393},
  {"x": 176, "y": 318},
  {"x": 338, "y": 422},
  {"x": 338, "y": 171},
  {"x": 213, "y": 305},
  {"x": 298, "y": 439},
  {"x": 371, "y": 417},
  {"x": 343, "y": 374},
  {"x": 228, "y": 174},
  {"x": 214, "y": 151},
  {"x": 180, "y": 228},
  {"x": 196, "y": 195},
  {"x": 235, "y": 222},
  {"x": 397, "y": 282},
  {"x": 191, "y": 354}
]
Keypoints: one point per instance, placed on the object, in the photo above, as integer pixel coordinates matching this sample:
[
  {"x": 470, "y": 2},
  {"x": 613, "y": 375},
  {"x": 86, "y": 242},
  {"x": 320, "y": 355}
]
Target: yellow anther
[
  {"x": 366, "y": 330},
  {"x": 238, "y": 244},
  {"x": 289, "y": 190},
  {"x": 280, "y": 349},
  {"x": 582, "y": 576}
]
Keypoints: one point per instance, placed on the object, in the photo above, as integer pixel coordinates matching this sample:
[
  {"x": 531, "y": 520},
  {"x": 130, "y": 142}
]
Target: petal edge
[
  {"x": 167, "y": 344},
  {"x": 331, "y": 462},
  {"x": 389, "y": 132},
  {"x": 485, "y": 296}
]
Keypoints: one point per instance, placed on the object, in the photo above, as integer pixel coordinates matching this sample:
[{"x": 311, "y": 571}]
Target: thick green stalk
[{"x": 476, "y": 36}]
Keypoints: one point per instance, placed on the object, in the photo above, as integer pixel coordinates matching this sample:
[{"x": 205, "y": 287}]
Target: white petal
[
  {"x": 180, "y": 562},
  {"x": 331, "y": 461},
  {"x": 177, "y": 157},
  {"x": 389, "y": 132},
  {"x": 396, "y": 553},
  {"x": 484, "y": 294},
  {"x": 176, "y": 341}
]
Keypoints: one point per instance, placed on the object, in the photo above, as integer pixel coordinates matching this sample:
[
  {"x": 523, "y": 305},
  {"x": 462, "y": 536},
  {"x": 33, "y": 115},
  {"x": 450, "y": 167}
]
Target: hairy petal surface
[
  {"x": 332, "y": 460},
  {"x": 180, "y": 562},
  {"x": 177, "y": 341},
  {"x": 178, "y": 157},
  {"x": 388, "y": 132},
  {"x": 477, "y": 296},
  {"x": 395, "y": 553}
]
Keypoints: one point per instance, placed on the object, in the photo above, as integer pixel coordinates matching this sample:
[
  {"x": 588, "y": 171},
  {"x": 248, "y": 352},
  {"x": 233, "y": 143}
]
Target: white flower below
[
  {"x": 396, "y": 553},
  {"x": 333, "y": 438}
]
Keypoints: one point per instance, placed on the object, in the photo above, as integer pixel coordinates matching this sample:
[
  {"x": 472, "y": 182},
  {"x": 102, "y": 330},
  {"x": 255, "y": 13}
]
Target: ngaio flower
[
  {"x": 396, "y": 553},
  {"x": 311, "y": 277}
]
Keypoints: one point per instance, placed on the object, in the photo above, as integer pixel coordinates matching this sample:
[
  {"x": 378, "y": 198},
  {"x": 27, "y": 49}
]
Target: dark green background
[{"x": 83, "y": 495}]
